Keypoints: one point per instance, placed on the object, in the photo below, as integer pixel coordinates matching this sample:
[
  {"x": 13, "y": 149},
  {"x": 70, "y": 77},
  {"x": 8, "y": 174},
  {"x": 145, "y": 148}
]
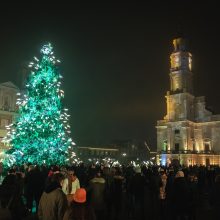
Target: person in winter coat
[
  {"x": 97, "y": 191},
  {"x": 79, "y": 209},
  {"x": 53, "y": 202},
  {"x": 193, "y": 196},
  {"x": 109, "y": 191},
  {"x": 34, "y": 185},
  {"x": 71, "y": 183},
  {"x": 117, "y": 191},
  {"x": 162, "y": 194},
  {"x": 215, "y": 197},
  {"x": 154, "y": 188},
  {"x": 137, "y": 189},
  {"x": 170, "y": 180},
  {"x": 10, "y": 196},
  {"x": 179, "y": 197},
  {"x": 11, "y": 178}
]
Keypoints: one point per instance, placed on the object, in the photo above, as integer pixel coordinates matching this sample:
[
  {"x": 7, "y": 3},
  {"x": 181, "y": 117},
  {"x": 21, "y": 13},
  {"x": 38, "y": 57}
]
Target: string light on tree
[{"x": 41, "y": 132}]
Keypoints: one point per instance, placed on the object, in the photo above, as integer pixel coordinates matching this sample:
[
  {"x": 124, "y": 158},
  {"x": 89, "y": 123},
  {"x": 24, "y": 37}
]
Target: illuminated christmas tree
[{"x": 41, "y": 133}]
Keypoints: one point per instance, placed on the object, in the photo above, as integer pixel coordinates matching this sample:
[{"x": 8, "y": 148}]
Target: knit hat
[
  {"x": 180, "y": 174},
  {"x": 80, "y": 195}
]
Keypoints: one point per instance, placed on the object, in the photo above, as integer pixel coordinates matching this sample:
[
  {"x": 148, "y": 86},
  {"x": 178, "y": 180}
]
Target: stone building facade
[
  {"x": 8, "y": 109},
  {"x": 189, "y": 133}
]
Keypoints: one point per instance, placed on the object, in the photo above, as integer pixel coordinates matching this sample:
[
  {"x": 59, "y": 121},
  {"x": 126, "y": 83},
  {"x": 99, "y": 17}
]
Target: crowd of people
[{"x": 97, "y": 192}]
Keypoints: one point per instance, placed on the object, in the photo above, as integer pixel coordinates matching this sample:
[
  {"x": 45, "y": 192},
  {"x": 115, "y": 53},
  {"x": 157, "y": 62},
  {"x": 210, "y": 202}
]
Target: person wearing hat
[
  {"x": 162, "y": 193},
  {"x": 180, "y": 173},
  {"x": 179, "y": 196},
  {"x": 215, "y": 197},
  {"x": 137, "y": 188},
  {"x": 96, "y": 189},
  {"x": 53, "y": 202},
  {"x": 79, "y": 208}
]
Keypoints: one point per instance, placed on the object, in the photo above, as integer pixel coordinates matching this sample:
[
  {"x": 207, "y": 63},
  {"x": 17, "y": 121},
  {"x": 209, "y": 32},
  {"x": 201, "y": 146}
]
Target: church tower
[
  {"x": 181, "y": 66},
  {"x": 180, "y": 96},
  {"x": 189, "y": 132}
]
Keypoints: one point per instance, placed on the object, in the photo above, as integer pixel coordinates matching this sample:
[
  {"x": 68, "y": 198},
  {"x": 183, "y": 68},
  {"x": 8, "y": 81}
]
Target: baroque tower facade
[{"x": 189, "y": 132}]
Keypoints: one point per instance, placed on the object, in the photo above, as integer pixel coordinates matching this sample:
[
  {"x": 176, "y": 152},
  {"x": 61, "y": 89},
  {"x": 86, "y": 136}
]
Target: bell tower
[
  {"x": 180, "y": 95},
  {"x": 181, "y": 66}
]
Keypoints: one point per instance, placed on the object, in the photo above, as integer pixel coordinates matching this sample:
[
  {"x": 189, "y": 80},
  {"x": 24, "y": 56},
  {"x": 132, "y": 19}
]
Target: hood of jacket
[
  {"x": 51, "y": 187},
  {"x": 98, "y": 180}
]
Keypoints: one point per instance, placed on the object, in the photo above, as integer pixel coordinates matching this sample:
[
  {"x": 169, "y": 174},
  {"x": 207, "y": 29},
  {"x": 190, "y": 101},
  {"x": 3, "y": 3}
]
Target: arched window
[
  {"x": 177, "y": 146},
  {"x": 165, "y": 148},
  {"x": 193, "y": 144},
  {"x": 207, "y": 145},
  {"x": 177, "y": 131},
  {"x": 6, "y": 103}
]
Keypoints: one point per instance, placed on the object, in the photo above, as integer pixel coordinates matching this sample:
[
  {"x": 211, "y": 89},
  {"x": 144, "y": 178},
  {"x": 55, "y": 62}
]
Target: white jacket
[{"x": 75, "y": 186}]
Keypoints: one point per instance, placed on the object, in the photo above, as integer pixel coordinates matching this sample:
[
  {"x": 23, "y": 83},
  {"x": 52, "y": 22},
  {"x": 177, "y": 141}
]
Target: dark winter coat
[
  {"x": 97, "y": 193},
  {"x": 53, "y": 203},
  {"x": 10, "y": 180},
  {"x": 155, "y": 183},
  {"x": 79, "y": 211},
  {"x": 179, "y": 197},
  {"x": 109, "y": 189},
  {"x": 137, "y": 186},
  {"x": 10, "y": 191},
  {"x": 117, "y": 191},
  {"x": 193, "y": 195},
  {"x": 215, "y": 199},
  {"x": 34, "y": 182}
]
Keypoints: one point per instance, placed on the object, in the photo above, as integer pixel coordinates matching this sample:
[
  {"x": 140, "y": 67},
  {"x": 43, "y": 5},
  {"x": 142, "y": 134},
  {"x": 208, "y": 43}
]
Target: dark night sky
[{"x": 115, "y": 60}]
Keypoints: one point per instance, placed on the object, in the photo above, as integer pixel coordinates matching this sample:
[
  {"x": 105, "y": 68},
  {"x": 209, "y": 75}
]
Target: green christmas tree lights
[{"x": 41, "y": 133}]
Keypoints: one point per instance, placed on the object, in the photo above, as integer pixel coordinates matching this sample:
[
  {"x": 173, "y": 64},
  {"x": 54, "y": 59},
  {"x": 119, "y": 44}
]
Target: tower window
[{"x": 176, "y": 131}]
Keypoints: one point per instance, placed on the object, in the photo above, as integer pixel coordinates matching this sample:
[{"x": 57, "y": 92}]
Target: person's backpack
[{"x": 5, "y": 213}]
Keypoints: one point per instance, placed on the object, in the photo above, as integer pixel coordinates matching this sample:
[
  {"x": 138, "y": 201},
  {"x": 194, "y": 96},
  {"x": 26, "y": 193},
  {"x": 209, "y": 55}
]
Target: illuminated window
[
  {"x": 165, "y": 145},
  {"x": 176, "y": 62}
]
